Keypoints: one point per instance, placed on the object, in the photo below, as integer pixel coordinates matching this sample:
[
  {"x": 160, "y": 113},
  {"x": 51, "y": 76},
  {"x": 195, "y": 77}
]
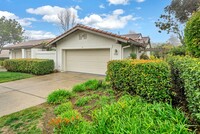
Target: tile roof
[
  {"x": 146, "y": 39},
  {"x": 133, "y": 36},
  {"x": 80, "y": 26},
  {"x": 28, "y": 44}
]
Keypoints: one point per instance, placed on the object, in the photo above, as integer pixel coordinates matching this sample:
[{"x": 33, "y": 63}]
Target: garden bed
[{"x": 93, "y": 107}]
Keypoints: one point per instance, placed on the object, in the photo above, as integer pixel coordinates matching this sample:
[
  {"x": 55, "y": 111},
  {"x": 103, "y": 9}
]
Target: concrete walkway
[{"x": 21, "y": 94}]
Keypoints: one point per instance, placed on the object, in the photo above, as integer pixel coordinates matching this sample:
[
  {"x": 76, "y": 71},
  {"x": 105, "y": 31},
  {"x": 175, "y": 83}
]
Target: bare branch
[{"x": 67, "y": 19}]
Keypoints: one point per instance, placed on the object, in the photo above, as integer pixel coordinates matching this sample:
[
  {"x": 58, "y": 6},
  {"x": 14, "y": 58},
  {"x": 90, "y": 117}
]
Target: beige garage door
[{"x": 87, "y": 61}]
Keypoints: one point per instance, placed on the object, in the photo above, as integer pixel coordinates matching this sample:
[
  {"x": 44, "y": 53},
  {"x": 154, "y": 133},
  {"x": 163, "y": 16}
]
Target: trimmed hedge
[
  {"x": 33, "y": 66},
  {"x": 186, "y": 71},
  {"x": 192, "y": 34},
  {"x": 1, "y": 63},
  {"x": 147, "y": 78}
]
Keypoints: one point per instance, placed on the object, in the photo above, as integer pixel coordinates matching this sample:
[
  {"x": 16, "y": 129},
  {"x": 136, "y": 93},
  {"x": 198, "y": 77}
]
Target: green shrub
[
  {"x": 147, "y": 78},
  {"x": 1, "y": 63},
  {"x": 133, "y": 55},
  {"x": 71, "y": 122},
  {"x": 88, "y": 85},
  {"x": 59, "y": 96},
  {"x": 33, "y": 66},
  {"x": 132, "y": 115},
  {"x": 152, "y": 57},
  {"x": 180, "y": 50},
  {"x": 83, "y": 101},
  {"x": 92, "y": 84},
  {"x": 192, "y": 34},
  {"x": 79, "y": 88},
  {"x": 186, "y": 72},
  {"x": 69, "y": 114},
  {"x": 63, "y": 108},
  {"x": 144, "y": 56}
]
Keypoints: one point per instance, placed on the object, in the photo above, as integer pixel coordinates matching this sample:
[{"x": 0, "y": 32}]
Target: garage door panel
[{"x": 87, "y": 61}]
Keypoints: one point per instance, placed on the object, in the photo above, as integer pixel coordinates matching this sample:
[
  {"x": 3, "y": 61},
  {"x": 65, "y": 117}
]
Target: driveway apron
[{"x": 22, "y": 94}]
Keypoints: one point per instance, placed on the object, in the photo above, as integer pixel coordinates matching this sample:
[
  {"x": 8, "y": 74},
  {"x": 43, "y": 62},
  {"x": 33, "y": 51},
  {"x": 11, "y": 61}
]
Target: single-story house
[
  {"x": 86, "y": 49},
  {"x": 27, "y": 49},
  {"x": 4, "y": 54}
]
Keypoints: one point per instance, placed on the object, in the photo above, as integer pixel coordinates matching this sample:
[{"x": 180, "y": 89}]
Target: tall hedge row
[
  {"x": 186, "y": 71},
  {"x": 147, "y": 78},
  {"x": 33, "y": 66},
  {"x": 192, "y": 34}
]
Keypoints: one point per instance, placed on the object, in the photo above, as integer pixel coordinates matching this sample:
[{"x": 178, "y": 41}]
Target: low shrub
[
  {"x": 186, "y": 73},
  {"x": 63, "y": 108},
  {"x": 59, "y": 96},
  {"x": 33, "y": 66},
  {"x": 86, "y": 99},
  {"x": 83, "y": 101},
  {"x": 133, "y": 55},
  {"x": 132, "y": 115},
  {"x": 152, "y": 57},
  {"x": 144, "y": 56},
  {"x": 92, "y": 84},
  {"x": 1, "y": 63},
  {"x": 147, "y": 78},
  {"x": 88, "y": 85},
  {"x": 70, "y": 122},
  {"x": 69, "y": 114},
  {"x": 73, "y": 125},
  {"x": 79, "y": 88},
  {"x": 179, "y": 50}
]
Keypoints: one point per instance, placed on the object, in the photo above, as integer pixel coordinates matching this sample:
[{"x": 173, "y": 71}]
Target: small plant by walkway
[{"x": 12, "y": 76}]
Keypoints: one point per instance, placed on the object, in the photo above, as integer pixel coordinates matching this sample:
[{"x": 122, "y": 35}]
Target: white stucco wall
[
  {"x": 46, "y": 55},
  {"x": 93, "y": 41},
  {"x": 16, "y": 54},
  {"x": 34, "y": 51},
  {"x": 27, "y": 53},
  {"x": 148, "y": 52}
]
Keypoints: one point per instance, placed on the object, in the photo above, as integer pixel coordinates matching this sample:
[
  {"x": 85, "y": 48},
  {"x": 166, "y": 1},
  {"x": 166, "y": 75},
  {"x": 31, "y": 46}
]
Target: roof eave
[
  {"x": 87, "y": 30},
  {"x": 135, "y": 43}
]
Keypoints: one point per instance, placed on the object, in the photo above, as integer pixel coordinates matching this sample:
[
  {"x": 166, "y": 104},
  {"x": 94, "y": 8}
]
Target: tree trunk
[{"x": 181, "y": 38}]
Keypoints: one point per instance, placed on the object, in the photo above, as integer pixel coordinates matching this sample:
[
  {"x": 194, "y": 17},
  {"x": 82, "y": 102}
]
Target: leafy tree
[
  {"x": 10, "y": 32},
  {"x": 176, "y": 15},
  {"x": 162, "y": 54},
  {"x": 178, "y": 50},
  {"x": 192, "y": 34}
]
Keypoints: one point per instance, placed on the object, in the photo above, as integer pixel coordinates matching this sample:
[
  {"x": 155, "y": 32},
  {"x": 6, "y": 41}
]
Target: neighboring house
[
  {"x": 28, "y": 49},
  {"x": 86, "y": 49},
  {"x": 4, "y": 54},
  {"x": 145, "y": 41}
]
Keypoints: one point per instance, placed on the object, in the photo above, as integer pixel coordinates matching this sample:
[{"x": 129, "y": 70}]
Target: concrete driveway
[{"x": 21, "y": 94}]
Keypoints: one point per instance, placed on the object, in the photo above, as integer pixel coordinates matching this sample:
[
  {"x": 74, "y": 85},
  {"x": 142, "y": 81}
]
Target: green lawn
[
  {"x": 24, "y": 122},
  {"x": 11, "y": 76}
]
